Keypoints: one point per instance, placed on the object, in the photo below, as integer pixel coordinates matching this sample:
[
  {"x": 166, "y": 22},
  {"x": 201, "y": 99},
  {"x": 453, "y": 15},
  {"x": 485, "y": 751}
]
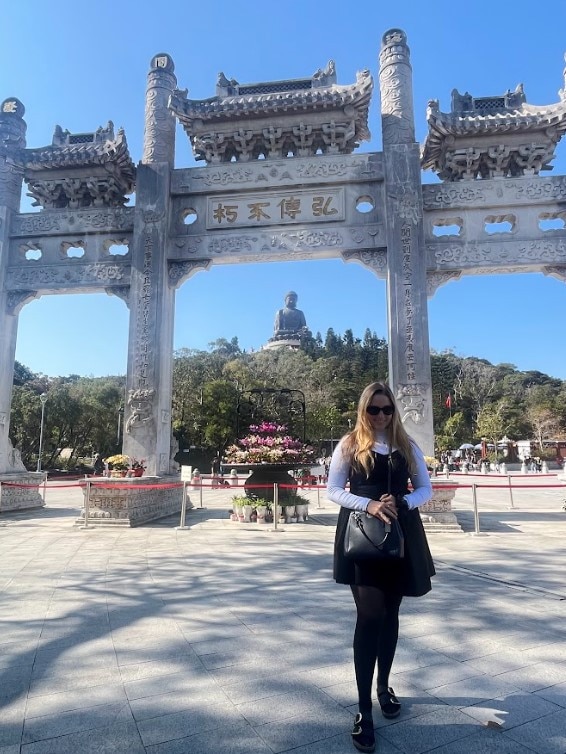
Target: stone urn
[
  {"x": 437, "y": 514},
  {"x": 264, "y": 475}
]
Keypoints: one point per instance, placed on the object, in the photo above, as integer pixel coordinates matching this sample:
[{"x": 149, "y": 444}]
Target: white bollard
[
  {"x": 87, "y": 506},
  {"x": 502, "y": 468},
  {"x": 184, "y": 501},
  {"x": 523, "y": 468},
  {"x": 544, "y": 467}
]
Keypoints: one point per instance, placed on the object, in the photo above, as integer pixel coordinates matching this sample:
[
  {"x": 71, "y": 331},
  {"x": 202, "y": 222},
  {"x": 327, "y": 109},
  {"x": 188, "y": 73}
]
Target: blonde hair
[{"x": 358, "y": 444}]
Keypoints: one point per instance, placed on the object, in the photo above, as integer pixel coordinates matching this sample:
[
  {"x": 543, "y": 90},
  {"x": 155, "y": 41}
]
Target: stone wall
[
  {"x": 20, "y": 490},
  {"x": 130, "y": 502}
]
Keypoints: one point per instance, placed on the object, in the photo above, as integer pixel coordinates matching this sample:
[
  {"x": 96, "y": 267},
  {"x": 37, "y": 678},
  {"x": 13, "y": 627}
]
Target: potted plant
[
  {"x": 238, "y": 502},
  {"x": 432, "y": 464},
  {"x": 118, "y": 464},
  {"x": 247, "y": 509},
  {"x": 261, "y": 507},
  {"x": 301, "y": 508},
  {"x": 268, "y": 513},
  {"x": 138, "y": 467}
]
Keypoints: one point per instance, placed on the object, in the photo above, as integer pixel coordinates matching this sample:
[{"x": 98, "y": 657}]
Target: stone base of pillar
[
  {"x": 437, "y": 514},
  {"x": 19, "y": 490},
  {"x": 131, "y": 501}
]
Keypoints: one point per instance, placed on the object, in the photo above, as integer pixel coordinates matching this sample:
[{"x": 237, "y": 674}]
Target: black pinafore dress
[{"x": 409, "y": 576}]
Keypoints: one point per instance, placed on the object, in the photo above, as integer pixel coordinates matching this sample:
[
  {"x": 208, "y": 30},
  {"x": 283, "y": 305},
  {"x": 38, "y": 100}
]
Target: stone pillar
[
  {"x": 409, "y": 356},
  {"x": 12, "y": 140},
  {"x": 147, "y": 413}
]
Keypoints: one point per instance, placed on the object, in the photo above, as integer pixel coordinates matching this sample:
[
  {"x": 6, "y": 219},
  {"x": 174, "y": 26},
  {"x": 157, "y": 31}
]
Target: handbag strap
[{"x": 360, "y": 524}]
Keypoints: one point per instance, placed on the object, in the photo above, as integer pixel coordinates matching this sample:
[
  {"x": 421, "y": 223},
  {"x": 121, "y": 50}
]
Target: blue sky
[{"x": 80, "y": 66}]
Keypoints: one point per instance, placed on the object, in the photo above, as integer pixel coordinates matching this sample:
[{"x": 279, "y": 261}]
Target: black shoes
[
  {"x": 363, "y": 736},
  {"x": 390, "y": 705}
]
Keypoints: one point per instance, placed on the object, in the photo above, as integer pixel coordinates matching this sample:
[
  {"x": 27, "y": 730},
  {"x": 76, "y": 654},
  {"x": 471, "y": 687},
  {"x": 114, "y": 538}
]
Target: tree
[
  {"x": 80, "y": 416},
  {"x": 82, "y": 413},
  {"x": 225, "y": 347},
  {"x": 453, "y": 433},
  {"x": 544, "y": 423},
  {"x": 541, "y": 410},
  {"x": 25, "y": 422},
  {"x": 332, "y": 343},
  {"x": 493, "y": 423},
  {"x": 476, "y": 382},
  {"x": 22, "y": 374},
  {"x": 326, "y": 424},
  {"x": 219, "y": 404}
]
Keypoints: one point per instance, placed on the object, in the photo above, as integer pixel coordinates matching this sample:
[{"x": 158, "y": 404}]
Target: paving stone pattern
[{"x": 233, "y": 638}]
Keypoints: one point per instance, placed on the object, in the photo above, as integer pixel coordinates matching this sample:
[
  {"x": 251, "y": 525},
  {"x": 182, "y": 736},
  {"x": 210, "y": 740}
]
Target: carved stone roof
[
  {"x": 81, "y": 170},
  {"x": 488, "y": 137},
  {"x": 273, "y": 119}
]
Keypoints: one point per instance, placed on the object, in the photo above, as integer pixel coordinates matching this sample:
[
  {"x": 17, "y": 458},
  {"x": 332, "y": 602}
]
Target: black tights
[{"x": 375, "y": 639}]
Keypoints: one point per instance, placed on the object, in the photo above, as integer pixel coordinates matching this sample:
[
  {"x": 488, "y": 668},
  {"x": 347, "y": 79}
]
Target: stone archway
[{"x": 282, "y": 180}]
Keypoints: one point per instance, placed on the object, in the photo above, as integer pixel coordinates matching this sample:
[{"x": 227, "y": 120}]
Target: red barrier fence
[
  {"x": 507, "y": 482},
  {"x": 204, "y": 485}
]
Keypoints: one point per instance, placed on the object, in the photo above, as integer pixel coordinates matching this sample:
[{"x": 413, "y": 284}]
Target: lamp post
[
  {"x": 120, "y": 420},
  {"x": 43, "y": 399}
]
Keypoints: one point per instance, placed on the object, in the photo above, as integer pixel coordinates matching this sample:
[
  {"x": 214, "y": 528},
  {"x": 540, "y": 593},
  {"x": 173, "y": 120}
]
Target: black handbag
[{"x": 370, "y": 538}]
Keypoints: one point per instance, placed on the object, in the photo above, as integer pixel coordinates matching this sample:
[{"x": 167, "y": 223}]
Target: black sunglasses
[{"x": 376, "y": 410}]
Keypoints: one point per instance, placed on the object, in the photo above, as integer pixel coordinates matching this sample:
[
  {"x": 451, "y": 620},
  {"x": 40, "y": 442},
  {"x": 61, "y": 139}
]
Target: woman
[{"x": 379, "y": 458}]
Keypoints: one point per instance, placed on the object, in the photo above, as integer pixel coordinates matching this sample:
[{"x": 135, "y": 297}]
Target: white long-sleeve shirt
[{"x": 339, "y": 471}]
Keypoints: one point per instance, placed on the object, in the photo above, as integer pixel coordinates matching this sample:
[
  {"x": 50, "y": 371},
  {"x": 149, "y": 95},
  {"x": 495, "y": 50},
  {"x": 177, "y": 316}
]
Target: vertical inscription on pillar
[
  {"x": 409, "y": 342},
  {"x": 144, "y": 346}
]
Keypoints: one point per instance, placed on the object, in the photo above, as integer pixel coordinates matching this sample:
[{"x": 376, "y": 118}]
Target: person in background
[
  {"x": 98, "y": 465},
  {"x": 215, "y": 470},
  {"x": 378, "y": 459}
]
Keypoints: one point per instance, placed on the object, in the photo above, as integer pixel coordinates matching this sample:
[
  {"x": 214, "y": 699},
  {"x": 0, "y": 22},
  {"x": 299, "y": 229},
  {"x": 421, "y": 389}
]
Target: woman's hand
[{"x": 385, "y": 508}]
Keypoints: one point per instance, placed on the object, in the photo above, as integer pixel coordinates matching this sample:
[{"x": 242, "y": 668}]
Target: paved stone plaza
[{"x": 232, "y": 638}]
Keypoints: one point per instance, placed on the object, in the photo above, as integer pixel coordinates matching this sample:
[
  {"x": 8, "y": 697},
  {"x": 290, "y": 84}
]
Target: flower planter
[
  {"x": 268, "y": 453},
  {"x": 301, "y": 512},
  {"x": 290, "y": 514}
]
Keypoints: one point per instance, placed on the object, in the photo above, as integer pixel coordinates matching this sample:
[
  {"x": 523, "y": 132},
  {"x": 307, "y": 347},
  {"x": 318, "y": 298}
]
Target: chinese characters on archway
[
  {"x": 308, "y": 207},
  {"x": 406, "y": 242}
]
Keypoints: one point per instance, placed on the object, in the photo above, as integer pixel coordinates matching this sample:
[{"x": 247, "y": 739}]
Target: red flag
[{"x": 448, "y": 401}]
